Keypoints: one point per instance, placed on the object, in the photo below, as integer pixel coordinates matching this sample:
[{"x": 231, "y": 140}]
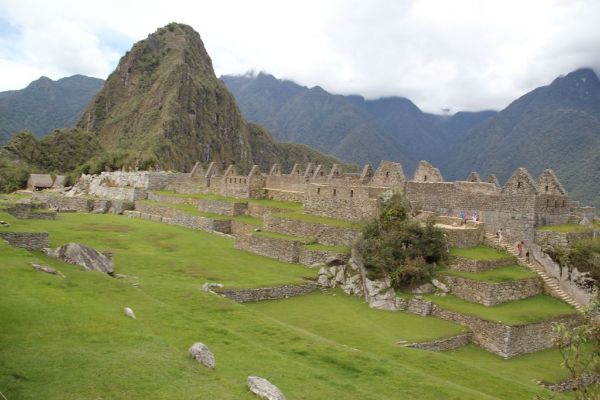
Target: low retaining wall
[
  {"x": 268, "y": 293},
  {"x": 311, "y": 257},
  {"x": 468, "y": 236},
  {"x": 27, "y": 211},
  {"x": 491, "y": 293},
  {"x": 445, "y": 344},
  {"x": 259, "y": 211},
  {"x": 222, "y": 207},
  {"x": 324, "y": 234},
  {"x": 165, "y": 198},
  {"x": 559, "y": 238},
  {"x": 285, "y": 195},
  {"x": 507, "y": 340},
  {"x": 280, "y": 249},
  {"x": 468, "y": 265},
  {"x": 176, "y": 217},
  {"x": 27, "y": 240},
  {"x": 83, "y": 204}
]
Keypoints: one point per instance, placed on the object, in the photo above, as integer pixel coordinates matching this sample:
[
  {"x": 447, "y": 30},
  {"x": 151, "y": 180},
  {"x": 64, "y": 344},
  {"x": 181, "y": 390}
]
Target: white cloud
[{"x": 461, "y": 54}]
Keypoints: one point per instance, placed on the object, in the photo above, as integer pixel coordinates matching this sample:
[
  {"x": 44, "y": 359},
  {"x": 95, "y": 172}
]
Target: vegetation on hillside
[
  {"x": 166, "y": 106},
  {"x": 400, "y": 248},
  {"x": 583, "y": 255},
  {"x": 45, "y": 105}
]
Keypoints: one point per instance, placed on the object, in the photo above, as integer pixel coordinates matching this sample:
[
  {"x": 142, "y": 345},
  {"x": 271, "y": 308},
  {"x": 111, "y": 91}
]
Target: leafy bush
[
  {"x": 583, "y": 255},
  {"x": 395, "y": 246}
]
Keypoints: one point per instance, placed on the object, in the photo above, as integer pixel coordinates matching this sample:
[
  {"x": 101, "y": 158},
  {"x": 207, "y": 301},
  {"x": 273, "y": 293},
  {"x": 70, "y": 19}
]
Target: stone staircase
[{"x": 549, "y": 282}]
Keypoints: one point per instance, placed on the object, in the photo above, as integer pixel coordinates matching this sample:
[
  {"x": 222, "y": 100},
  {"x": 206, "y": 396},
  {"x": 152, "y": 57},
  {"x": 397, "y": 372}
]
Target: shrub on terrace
[{"x": 403, "y": 249}]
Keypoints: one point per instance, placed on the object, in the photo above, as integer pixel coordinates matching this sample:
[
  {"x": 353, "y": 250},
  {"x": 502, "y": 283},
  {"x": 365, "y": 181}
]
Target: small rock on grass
[
  {"x": 201, "y": 353},
  {"x": 264, "y": 389}
]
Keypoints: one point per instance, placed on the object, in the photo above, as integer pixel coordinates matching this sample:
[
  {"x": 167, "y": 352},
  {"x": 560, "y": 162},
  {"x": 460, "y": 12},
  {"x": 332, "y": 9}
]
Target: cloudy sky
[{"x": 459, "y": 54}]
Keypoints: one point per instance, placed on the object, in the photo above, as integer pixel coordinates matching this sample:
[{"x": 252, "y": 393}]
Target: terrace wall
[
  {"x": 27, "y": 240},
  {"x": 324, "y": 234},
  {"x": 279, "y": 249},
  {"x": 267, "y": 293},
  {"x": 493, "y": 293}
]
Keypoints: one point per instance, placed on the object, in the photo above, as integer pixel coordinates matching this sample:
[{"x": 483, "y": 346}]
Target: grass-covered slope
[{"x": 67, "y": 338}]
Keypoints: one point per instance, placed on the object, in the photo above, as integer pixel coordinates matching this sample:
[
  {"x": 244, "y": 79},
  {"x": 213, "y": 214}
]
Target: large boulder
[
  {"x": 203, "y": 355},
  {"x": 87, "y": 257},
  {"x": 264, "y": 389}
]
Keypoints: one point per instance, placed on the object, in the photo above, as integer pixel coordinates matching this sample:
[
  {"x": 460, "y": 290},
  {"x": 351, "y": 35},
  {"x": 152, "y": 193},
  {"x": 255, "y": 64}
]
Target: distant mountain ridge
[
  {"x": 45, "y": 105},
  {"x": 352, "y": 128},
  {"x": 555, "y": 126}
]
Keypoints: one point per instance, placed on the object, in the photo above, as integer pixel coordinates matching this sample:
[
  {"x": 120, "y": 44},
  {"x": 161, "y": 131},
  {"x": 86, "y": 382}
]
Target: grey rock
[
  {"x": 264, "y": 389},
  {"x": 129, "y": 312},
  {"x": 201, "y": 353},
  {"x": 335, "y": 260},
  {"x": 4, "y": 223},
  {"x": 440, "y": 285},
  {"x": 323, "y": 281},
  {"x": 87, "y": 257},
  {"x": 424, "y": 288},
  {"x": 44, "y": 268},
  {"x": 209, "y": 286}
]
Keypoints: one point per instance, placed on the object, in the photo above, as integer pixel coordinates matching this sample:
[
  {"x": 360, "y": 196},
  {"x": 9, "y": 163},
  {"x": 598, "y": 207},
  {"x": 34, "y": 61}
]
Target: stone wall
[
  {"x": 259, "y": 211},
  {"x": 165, "y": 198},
  {"x": 324, "y": 234},
  {"x": 468, "y": 265},
  {"x": 136, "y": 179},
  {"x": 222, "y": 207},
  {"x": 285, "y": 195},
  {"x": 267, "y": 293},
  {"x": 27, "y": 211},
  {"x": 444, "y": 344},
  {"x": 463, "y": 236},
  {"x": 62, "y": 203},
  {"x": 559, "y": 238},
  {"x": 27, "y": 240},
  {"x": 343, "y": 201},
  {"x": 280, "y": 249},
  {"x": 311, "y": 257},
  {"x": 176, "y": 217},
  {"x": 574, "y": 283},
  {"x": 492, "y": 293}
]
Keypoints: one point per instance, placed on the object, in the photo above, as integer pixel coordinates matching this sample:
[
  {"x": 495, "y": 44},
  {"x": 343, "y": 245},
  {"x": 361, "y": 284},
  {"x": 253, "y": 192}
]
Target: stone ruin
[{"x": 518, "y": 207}]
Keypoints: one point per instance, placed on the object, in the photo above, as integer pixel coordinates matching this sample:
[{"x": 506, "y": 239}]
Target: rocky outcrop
[
  {"x": 201, "y": 353},
  {"x": 264, "y": 389},
  {"x": 87, "y": 257}
]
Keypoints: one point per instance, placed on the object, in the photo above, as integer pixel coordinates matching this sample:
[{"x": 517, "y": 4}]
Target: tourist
[
  {"x": 520, "y": 248},
  {"x": 527, "y": 256}
]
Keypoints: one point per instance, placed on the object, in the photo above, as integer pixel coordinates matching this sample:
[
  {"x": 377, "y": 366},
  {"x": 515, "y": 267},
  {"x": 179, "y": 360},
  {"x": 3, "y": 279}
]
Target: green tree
[{"x": 403, "y": 249}]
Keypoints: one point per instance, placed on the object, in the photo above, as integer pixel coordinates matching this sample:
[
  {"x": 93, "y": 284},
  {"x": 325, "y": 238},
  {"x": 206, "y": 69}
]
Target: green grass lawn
[
  {"x": 322, "y": 247},
  {"x": 565, "y": 228},
  {"x": 498, "y": 275},
  {"x": 67, "y": 338},
  {"x": 284, "y": 205},
  {"x": 193, "y": 210},
  {"x": 276, "y": 235},
  {"x": 316, "y": 219},
  {"x": 482, "y": 253},
  {"x": 532, "y": 309}
]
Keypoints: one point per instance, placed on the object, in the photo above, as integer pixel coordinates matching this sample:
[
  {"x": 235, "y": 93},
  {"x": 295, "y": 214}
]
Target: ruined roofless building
[{"x": 517, "y": 207}]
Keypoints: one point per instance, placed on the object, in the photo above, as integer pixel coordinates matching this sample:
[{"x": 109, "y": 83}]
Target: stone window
[
  {"x": 518, "y": 184},
  {"x": 546, "y": 188},
  {"x": 547, "y": 202},
  {"x": 334, "y": 192},
  {"x": 321, "y": 173},
  {"x": 564, "y": 203},
  {"x": 555, "y": 203},
  {"x": 351, "y": 193},
  {"x": 318, "y": 190},
  {"x": 425, "y": 178},
  {"x": 387, "y": 174}
]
